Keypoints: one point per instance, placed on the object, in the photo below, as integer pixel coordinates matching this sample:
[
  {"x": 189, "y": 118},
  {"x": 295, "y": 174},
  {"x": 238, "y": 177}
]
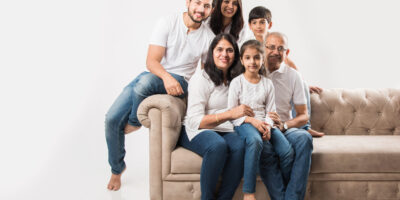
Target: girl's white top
[
  {"x": 260, "y": 97},
  {"x": 204, "y": 98}
]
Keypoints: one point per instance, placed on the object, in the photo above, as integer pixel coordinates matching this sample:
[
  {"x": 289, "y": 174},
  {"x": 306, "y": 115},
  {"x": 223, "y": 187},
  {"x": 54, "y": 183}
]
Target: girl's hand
[
  {"x": 240, "y": 111},
  {"x": 262, "y": 127}
]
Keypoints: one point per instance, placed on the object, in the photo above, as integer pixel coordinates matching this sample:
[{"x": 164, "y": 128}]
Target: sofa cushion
[
  {"x": 332, "y": 154},
  {"x": 342, "y": 154},
  {"x": 184, "y": 161}
]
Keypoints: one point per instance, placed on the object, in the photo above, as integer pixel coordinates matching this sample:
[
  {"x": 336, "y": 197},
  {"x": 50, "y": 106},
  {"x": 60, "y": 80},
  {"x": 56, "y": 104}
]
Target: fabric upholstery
[
  {"x": 356, "y": 112},
  {"x": 359, "y": 158}
]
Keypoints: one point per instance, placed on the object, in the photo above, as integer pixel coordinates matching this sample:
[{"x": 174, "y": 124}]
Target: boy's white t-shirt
[
  {"x": 260, "y": 97},
  {"x": 182, "y": 50}
]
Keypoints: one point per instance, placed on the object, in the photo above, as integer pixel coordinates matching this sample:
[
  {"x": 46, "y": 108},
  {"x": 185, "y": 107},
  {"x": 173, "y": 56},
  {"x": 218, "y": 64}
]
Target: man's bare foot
[
  {"x": 249, "y": 196},
  {"x": 115, "y": 181},
  {"x": 315, "y": 133},
  {"x": 129, "y": 128}
]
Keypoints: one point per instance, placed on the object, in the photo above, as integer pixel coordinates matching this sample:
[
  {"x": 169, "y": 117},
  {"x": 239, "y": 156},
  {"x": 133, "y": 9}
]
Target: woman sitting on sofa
[{"x": 207, "y": 130}]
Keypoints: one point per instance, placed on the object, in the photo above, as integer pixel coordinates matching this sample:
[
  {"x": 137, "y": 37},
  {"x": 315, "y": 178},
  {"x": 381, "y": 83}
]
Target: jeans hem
[{"x": 118, "y": 172}]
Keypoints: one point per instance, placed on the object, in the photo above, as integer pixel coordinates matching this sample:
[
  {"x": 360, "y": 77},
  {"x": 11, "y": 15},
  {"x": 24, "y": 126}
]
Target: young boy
[{"x": 260, "y": 22}]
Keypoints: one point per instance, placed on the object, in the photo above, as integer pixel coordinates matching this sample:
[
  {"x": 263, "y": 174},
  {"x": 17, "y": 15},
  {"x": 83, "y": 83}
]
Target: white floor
[{"x": 78, "y": 169}]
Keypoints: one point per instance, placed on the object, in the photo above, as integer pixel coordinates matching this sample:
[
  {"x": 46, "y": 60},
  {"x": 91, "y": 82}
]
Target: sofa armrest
[
  {"x": 163, "y": 115},
  {"x": 173, "y": 110}
]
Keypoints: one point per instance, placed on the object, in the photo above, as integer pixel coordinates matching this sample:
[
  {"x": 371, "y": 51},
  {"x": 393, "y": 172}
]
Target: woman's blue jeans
[
  {"x": 222, "y": 156},
  {"x": 253, "y": 148},
  {"x": 124, "y": 110}
]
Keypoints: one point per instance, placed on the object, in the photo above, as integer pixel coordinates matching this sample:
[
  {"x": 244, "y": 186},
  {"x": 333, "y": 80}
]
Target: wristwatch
[{"x": 285, "y": 127}]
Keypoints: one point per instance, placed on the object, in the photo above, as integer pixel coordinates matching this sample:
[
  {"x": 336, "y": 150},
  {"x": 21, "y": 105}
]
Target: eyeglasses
[{"x": 273, "y": 47}]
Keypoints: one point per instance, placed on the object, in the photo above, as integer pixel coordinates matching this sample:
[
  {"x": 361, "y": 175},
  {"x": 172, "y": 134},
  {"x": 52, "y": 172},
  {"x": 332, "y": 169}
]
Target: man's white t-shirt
[
  {"x": 288, "y": 87},
  {"x": 183, "y": 50}
]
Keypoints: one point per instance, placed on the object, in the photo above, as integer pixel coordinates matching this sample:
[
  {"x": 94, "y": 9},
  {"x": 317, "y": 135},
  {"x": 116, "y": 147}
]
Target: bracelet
[{"x": 216, "y": 118}]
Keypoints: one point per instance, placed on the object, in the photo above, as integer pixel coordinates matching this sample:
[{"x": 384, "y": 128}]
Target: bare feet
[
  {"x": 249, "y": 196},
  {"x": 315, "y": 133},
  {"x": 129, "y": 128},
  {"x": 115, "y": 181}
]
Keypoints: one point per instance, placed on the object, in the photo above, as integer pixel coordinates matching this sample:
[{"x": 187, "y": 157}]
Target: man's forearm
[{"x": 157, "y": 69}]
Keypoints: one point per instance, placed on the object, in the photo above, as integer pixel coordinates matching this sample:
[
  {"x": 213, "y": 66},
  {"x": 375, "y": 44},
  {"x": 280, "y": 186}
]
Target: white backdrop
[{"x": 64, "y": 62}]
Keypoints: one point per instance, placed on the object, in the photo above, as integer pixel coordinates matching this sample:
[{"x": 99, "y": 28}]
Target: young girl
[{"x": 253, "y": 89}]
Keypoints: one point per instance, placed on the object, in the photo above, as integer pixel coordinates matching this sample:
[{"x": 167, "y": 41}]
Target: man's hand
[
  {"x": 315, "y": 89},
  {"x": 275, "y": 117},
  {"x": 172, "y": 86},
  {"x": 240, "y": 111}
]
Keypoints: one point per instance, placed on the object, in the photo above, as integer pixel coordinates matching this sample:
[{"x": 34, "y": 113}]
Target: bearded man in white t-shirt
[
  {"x": 177, "y": 44},
  {"x": 289, "y": 88}
]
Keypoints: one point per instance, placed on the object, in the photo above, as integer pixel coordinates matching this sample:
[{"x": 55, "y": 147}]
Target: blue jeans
[
  {"x": 222, "y": 155},
  {"x": 124, "y": 110},
  {"x": 253, "y": 148},
  {"x": 301, "y": 142},
  {"x": 307, "y": 93}
]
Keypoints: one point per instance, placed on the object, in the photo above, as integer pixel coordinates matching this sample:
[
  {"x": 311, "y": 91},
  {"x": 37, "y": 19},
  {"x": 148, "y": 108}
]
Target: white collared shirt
[
  {"x": 204, "y": 98},
  {"x": 182, "y": 50},
  {"x": 288, "y": 87}
]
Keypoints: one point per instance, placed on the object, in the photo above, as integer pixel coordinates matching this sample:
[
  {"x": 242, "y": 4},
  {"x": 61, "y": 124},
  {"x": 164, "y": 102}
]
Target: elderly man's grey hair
[{"x": 277, "y": 34}]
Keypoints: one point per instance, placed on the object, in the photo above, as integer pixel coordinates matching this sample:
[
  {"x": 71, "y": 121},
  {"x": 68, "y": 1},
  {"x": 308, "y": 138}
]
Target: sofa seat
[
  {"x": 356, "y": 154},
  {"x": 332, "y": 154}
]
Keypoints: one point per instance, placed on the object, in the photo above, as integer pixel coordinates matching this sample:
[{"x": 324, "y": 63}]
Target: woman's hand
[{"x": 240, "y": 111}]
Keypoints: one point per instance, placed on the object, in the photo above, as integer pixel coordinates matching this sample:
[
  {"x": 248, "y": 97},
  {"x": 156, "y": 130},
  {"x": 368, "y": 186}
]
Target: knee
[
  {"x": 112, "y": 120},
  {"x": 288, "y": 154},
  {"x": 218, "y": 147},
  {"x": 254, "y": 142},
  {"x": 238, "y": 148},
  {"x": 306, "y": 140},
  {"x": 145, "y": 83}
]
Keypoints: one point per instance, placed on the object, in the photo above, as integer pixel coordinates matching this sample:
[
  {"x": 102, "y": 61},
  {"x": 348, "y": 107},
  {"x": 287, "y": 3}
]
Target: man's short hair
[{"x": 260, "y": 12}]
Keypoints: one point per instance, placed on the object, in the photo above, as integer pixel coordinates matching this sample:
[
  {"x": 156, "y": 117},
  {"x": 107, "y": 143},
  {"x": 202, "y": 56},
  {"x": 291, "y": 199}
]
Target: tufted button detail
[
  {"x": 331, "y": 111},
  {"x": 192, "y": 190},
  {"x": 338, "y": 191}
]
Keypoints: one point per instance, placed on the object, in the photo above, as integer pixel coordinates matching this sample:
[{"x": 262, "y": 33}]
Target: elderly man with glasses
[{"x": 288, "y": 89}]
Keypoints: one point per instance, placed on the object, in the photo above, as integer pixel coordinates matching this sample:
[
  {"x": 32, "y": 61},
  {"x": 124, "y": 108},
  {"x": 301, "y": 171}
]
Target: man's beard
[{"x": 192, "y": 18}]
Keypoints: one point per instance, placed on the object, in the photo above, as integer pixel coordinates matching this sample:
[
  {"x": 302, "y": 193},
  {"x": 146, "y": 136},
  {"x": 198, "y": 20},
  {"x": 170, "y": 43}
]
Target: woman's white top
[
  {"x": 204, "y": 98},
  {"x": 244, "y": 34},
  {"x": 260, "y": 97}
]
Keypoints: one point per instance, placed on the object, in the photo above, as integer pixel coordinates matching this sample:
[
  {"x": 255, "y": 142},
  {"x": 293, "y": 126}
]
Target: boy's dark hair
[
  {"x": 216, "y": 75},
  {"x": 216, "y": 19},
  {"x": 260, "y": 12}
]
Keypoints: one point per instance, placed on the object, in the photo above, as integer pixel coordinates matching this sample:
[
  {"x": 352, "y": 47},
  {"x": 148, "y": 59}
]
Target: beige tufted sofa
[{"x": 358, "y": 159}]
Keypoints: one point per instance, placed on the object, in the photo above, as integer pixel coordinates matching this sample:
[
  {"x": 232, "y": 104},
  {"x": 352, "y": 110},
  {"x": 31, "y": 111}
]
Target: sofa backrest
[{"x": 356, "y": 111}]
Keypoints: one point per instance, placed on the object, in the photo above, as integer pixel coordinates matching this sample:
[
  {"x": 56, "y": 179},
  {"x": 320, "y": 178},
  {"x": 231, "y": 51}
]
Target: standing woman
[
  {"x": 227, "y": 17},
  {"x": 207, "y": 130}
]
